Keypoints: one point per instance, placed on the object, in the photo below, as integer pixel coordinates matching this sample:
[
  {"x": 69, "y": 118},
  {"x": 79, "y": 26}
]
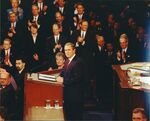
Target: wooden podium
[
  {"x": 37, "y": 92},
  {"x": 127, "y": 97}
]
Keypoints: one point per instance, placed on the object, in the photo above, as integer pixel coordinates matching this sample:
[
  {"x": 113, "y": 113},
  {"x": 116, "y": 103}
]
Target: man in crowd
[{"x": 7, "y": 95}]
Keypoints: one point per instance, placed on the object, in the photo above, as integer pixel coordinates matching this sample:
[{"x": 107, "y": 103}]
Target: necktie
[
  {"x": 61, "y": 10},
  {"x": 6, "y": 57},
  {"x": 57, "y": 39},
  {"x": 34, "y": 18},
  {"x": 67, "y": 63},
  {"x": 13, "y": 25},
  {"x": 82, "y": 34},
  {"x": 40, "y": 7},
  {"x": 80, "y": 17}
]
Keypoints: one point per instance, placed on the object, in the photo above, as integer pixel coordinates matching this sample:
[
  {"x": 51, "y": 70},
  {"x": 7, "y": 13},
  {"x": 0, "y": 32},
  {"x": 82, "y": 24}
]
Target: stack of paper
[{"x": 47, "y": 77}]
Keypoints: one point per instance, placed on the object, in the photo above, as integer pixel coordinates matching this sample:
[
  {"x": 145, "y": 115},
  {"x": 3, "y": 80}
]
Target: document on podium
[{"x": 47, "y": 77}]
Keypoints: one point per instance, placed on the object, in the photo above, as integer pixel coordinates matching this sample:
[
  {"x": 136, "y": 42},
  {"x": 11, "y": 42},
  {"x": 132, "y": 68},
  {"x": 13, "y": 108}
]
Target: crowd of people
[{"x": 34, "y": 33}]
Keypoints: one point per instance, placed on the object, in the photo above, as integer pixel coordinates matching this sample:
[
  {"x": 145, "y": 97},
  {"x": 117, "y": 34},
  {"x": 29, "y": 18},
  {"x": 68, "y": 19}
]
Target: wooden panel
[
  {"x": 37, "y": 92},
  {"x": 126, "y": 97}
]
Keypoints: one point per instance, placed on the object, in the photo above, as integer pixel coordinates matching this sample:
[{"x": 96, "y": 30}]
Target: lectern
[
  {"x": 36, "y": 93},
  {"x": 128, "y": 97}
]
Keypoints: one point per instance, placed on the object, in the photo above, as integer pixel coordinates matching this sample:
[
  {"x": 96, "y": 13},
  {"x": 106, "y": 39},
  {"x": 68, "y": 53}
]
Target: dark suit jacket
[
  {"x": 12, "y": 56},
  {"x": 31, "y": 48},
  {"x": 50, "y": 44},
  {"x": 73, "y": 80},
  {"x": 84, "y": 17},
  {"x": 129, "y": 56},
  {"x": 7, "y": 99},
  {"x": 17, "y": 37}
]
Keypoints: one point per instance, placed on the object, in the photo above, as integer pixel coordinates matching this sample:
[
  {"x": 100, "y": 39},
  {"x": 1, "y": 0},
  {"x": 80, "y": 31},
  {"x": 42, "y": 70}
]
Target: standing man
[
  {"x": 72, "y": 78},
  {"x": 125, "y": 53},
  {"x": 19, "y": 74}
]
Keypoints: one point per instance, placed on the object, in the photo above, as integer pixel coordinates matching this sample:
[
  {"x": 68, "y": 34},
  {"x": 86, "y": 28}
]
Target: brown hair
[{"x": 140, "y": 110}]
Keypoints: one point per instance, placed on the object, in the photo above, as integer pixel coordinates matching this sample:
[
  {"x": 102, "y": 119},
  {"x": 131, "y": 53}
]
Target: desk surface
[
  {"x": 41, "y": 113},
  {"x": 122, "y": 74}
]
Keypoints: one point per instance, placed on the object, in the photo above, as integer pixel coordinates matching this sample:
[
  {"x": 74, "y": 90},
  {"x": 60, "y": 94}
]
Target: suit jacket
[
  {"x": 84, "y": 17},
  {"x": 42, "y": 22},
  {"x": 129, "y": 56},
  {"x": 17, "y": 37},
  {"x": 31, "y": 48},
  {"x": 19, "y": 11},
  {"x": 7, "y": 100},
  {"x": 12, "y": 56},
  {"x": 89, "y": 47},
  {"x": 50, "y": 45},
  {"x": 73, "y": 80}
]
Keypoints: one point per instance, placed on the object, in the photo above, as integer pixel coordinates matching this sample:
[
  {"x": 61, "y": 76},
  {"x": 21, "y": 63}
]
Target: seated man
[
  {"x": 7, "y": 93},
  {"x": 138, "y": 114}
]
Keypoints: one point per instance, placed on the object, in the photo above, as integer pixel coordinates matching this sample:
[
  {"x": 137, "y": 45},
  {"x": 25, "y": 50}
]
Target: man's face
[
  {"x": 55, "y": 30},
  {"x": 61, "y": 3},
  {"x": 35, "y": 10},
  {"x": 84, "y": 26},
  {"x": 109, "y": 47},
  {"x": 123, "y": 43},
  {"x": 100, "y": 42},
  {"x": 6, "y": 45},
  {"x": 40, "y": 1},
  {"x": 58, "y": 17},
  {"x": 60, "y": 60},
  {"x": 138, "y": 117},
  {"x": 34, "y": 30},
  {"x": 19, "y": 65},
  {"x": 80, "y": 9},
  {"x": 14, "y": 3},
  {"x": 12, "y": 17},
  {"x": 4, "y": 78},
  {"x": 69, "y": 51}
]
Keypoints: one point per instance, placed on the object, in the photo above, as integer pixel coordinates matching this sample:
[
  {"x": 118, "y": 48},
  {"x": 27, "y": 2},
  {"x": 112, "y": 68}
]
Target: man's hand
[
  {"x": 60, "y": 79},
  {"x": 36, "y": 57}
]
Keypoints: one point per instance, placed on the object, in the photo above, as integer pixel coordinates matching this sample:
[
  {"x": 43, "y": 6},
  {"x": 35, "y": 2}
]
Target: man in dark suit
[
  {"x": 85, "y": 42},
  {"x": 19, "y": 74},
  {"x": 55, "y": 43},
  {"x": 72, "y": 78},
  {"x": 7, "y": 95},
  {"x": 34, "y": 47},
  {"x": 7, "y": 54},
  {"x": 37, "y": 18},
  {"x": 79, "y": 16},
  {"x": 63, "y": 24},
  {"x": 13, "y": 29},
  {"x": 125, "y": 54},
  {"x": 102, "y": 74}
]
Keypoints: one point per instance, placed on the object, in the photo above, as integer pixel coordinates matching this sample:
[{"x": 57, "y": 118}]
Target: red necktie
[
  {"x": 67, "y": 63},
  {"x": 6, "y": 57}
]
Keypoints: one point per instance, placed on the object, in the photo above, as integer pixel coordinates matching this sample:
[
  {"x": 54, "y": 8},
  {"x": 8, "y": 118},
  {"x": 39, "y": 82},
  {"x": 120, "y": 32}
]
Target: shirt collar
[
  {"x": 7, "y": 51},
  {"x": 70, "y": 59},
  {"x": 125, "y": 49}
]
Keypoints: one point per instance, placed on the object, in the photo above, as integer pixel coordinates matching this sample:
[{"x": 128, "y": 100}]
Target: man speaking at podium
[{"x": 72, "y": 78}]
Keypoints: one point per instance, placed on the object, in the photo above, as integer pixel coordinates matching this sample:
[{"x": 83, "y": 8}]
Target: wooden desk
[
  {"x": 41, "y": 113},
  {"x": 127, "y": 97},
  {"x": 37, "y": 91}
]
